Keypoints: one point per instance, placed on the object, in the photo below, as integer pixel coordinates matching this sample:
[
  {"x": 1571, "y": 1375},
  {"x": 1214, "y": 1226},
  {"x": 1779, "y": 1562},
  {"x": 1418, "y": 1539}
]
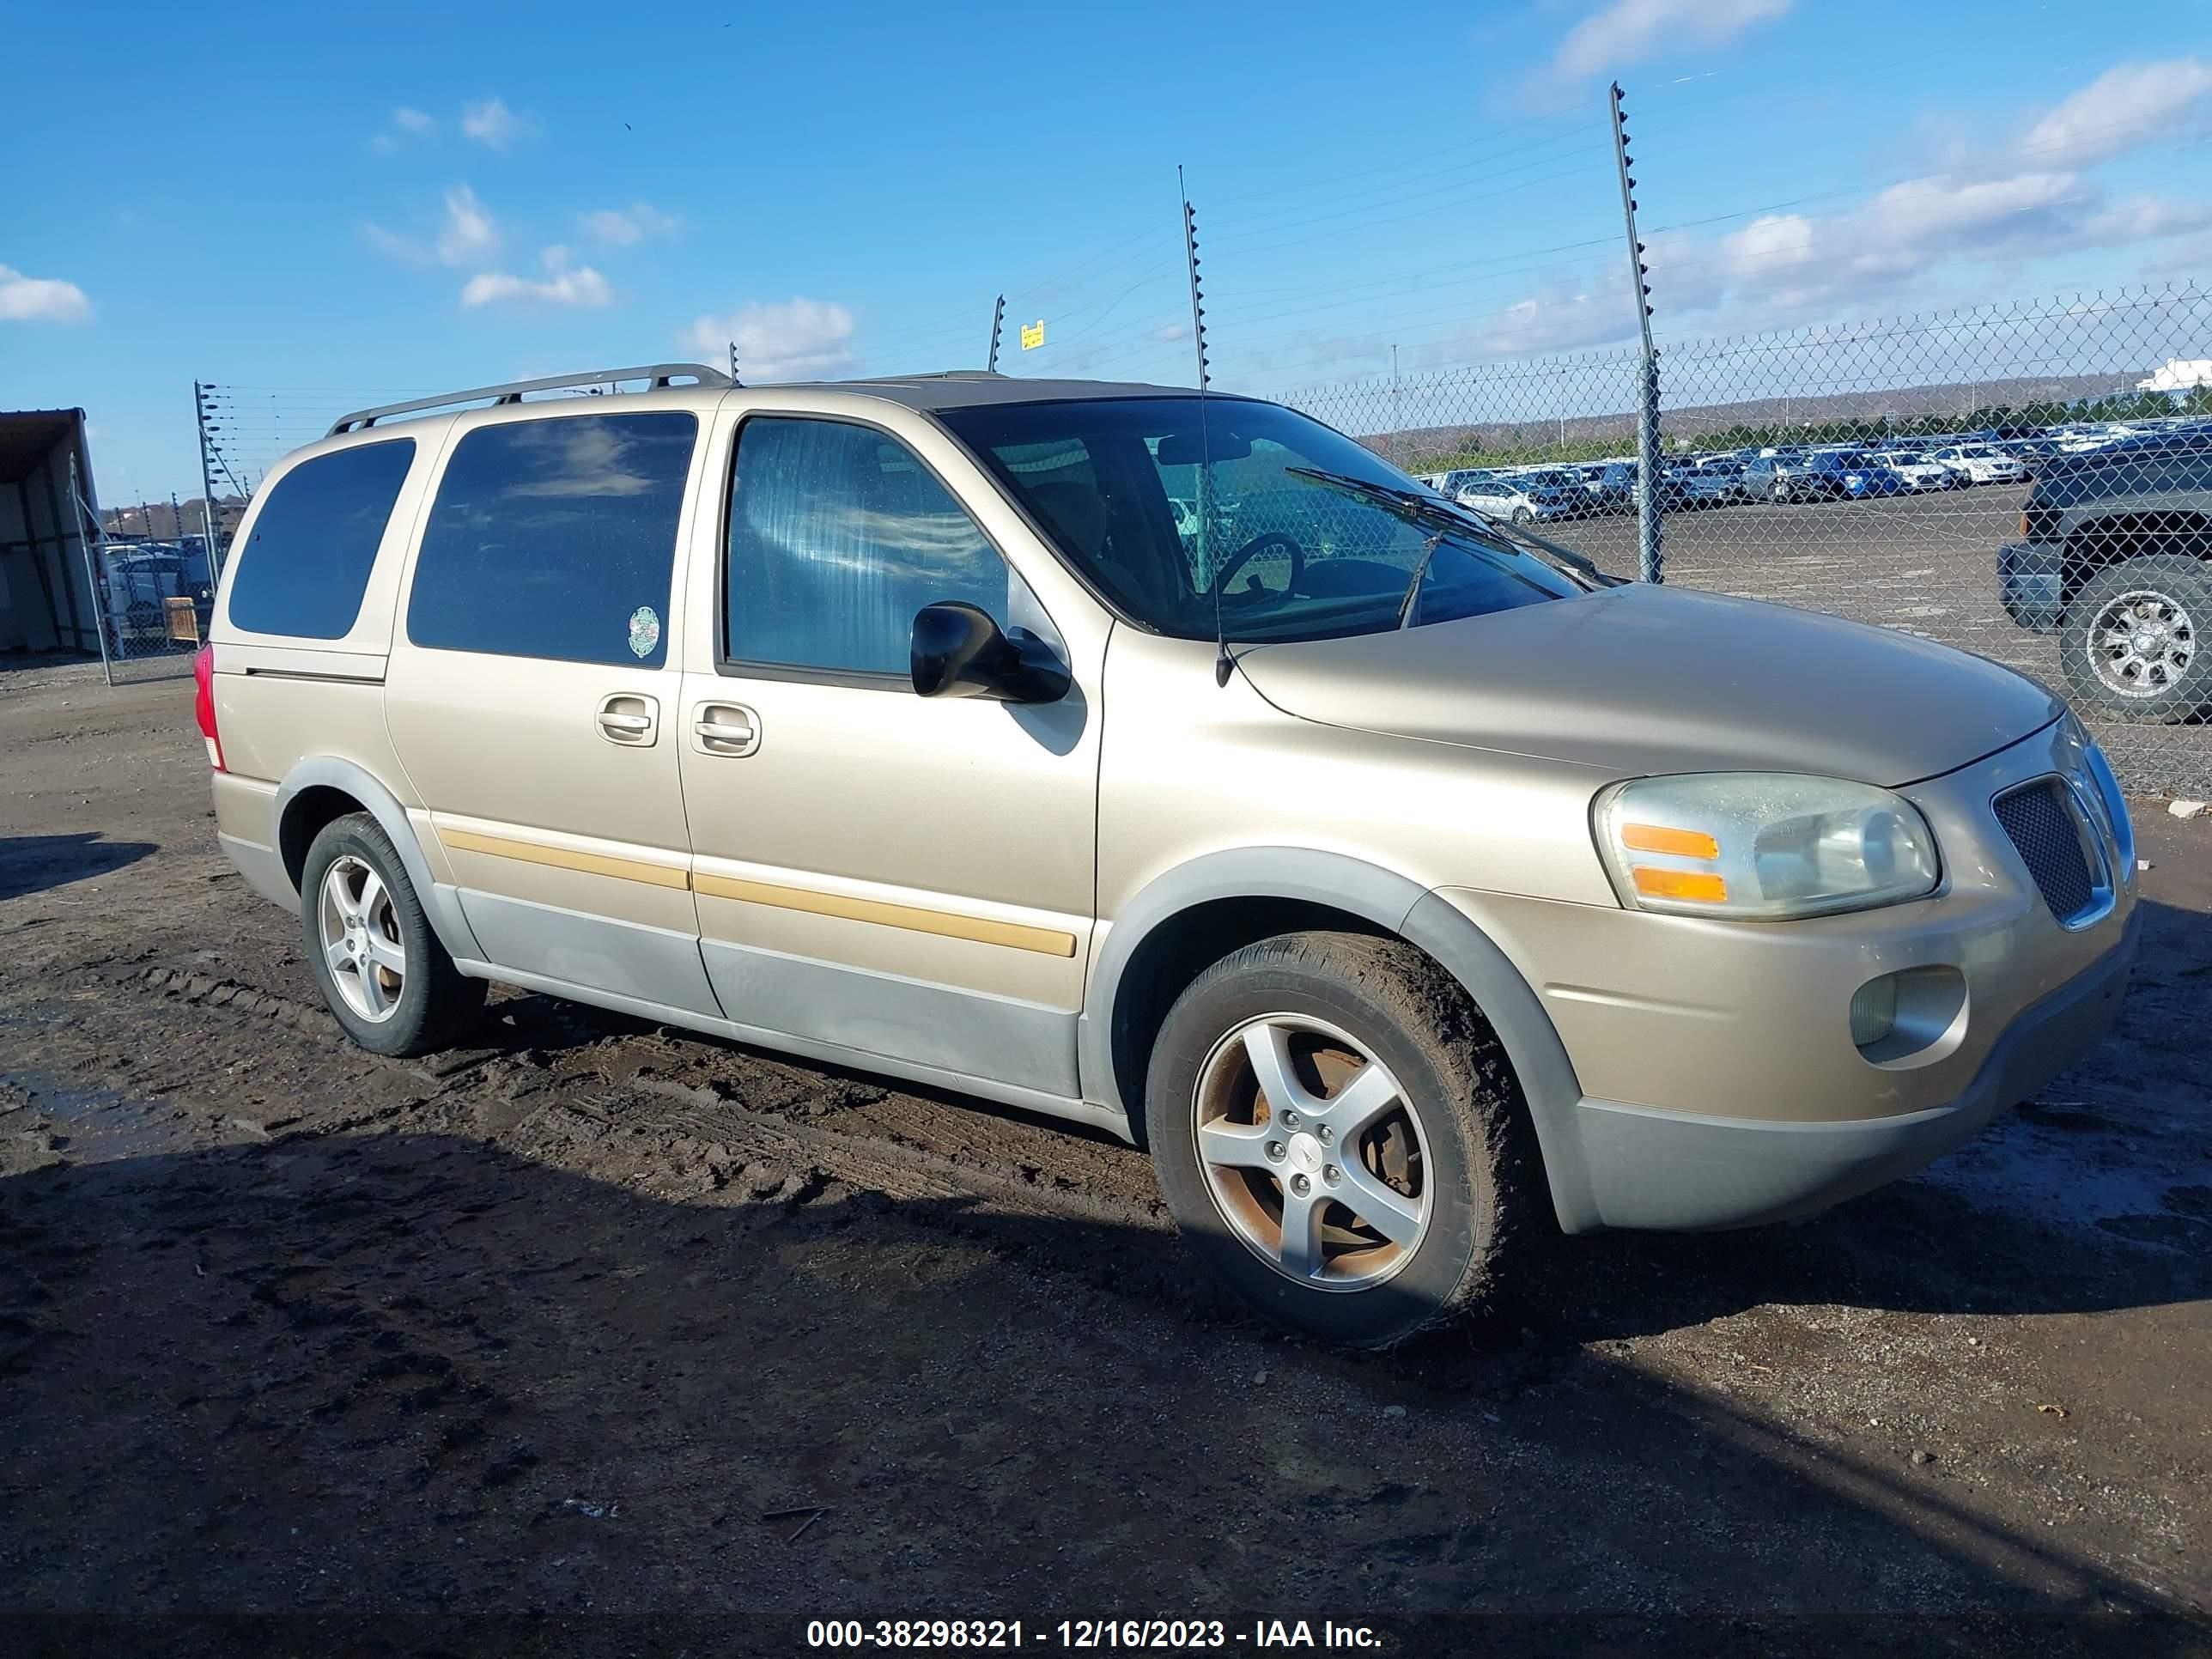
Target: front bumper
[
  {"x": 1678, "y": 1172},
  {"x": 1717, "y": 1079},
  {"x": 2030, "y": 586}
]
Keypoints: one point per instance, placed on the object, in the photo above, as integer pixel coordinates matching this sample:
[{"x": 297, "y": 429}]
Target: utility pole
[
  {"x": 998, "y": 321},
  {"x": 207, "y": 483},
  {"x": 1651, "y": 560},
  {"x": 1197, "y": 301}
]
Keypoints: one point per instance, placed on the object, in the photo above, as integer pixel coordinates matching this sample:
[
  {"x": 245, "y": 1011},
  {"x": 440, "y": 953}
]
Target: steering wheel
[{"x": 1244, "y": 555}]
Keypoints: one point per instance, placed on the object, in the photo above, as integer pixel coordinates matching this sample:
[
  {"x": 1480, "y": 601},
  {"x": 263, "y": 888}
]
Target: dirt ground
[{"x": 630, "y": 1341}]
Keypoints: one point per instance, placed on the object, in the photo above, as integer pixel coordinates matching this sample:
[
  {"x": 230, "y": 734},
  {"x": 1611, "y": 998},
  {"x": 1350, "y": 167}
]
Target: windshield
[{"x": 1293, "y": 557}]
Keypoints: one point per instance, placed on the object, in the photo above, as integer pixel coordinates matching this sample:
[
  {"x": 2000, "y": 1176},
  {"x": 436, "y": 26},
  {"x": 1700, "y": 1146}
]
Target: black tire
[
  {"x": 1523, "y": 515},
  {"x": 2179, "y": 584},
  {"x": 1478, "y": 1170},
  {"x": 1778, "y": 492},
  {"x": 436, "y": 1002}
]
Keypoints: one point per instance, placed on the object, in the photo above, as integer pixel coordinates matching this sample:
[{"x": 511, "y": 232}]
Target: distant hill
[{"x": 1971, "y": 402}]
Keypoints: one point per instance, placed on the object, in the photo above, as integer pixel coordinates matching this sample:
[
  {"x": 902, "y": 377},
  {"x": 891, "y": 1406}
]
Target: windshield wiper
[{"x": 1420, "y": 509}]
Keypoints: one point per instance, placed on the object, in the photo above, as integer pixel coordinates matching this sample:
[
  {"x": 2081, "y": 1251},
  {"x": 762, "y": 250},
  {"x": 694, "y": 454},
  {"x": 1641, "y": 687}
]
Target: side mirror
[{"x": 959, "y": 651}]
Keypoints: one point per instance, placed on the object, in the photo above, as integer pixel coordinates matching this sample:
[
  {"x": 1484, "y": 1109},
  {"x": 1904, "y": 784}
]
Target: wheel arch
[
  {"x": 324, "y": 787},
  {"x": 2098, "y": 542},
  {"x": 1191, "y": 916}
]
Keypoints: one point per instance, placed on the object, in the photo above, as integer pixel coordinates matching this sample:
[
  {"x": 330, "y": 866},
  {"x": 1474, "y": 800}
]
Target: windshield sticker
[{"x": 644, "y": 630}]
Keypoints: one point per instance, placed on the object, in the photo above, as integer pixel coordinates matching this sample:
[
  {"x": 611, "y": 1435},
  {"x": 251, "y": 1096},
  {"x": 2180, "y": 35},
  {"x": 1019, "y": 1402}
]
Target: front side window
[
  {"x": 1278, "y": 539},
  {"x": 303, "y": 570},
  {"x": 838, "y": 535},
  {"x": 555, "y": 538}
]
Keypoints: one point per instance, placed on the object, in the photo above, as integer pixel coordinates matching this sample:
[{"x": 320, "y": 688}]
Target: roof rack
[{"x": 661, "y": 375}]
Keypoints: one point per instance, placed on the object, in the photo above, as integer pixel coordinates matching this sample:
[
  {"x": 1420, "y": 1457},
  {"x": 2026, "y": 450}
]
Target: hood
[{"x": 1639, "y": 680}]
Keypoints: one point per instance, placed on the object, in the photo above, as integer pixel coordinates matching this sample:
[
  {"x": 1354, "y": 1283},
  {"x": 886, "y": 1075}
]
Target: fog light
[
  {"x": 1910, "y": 1018},
  {"x": 1874, "y": 1010}
]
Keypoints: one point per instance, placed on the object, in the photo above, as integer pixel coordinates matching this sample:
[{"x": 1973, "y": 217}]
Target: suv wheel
[
  {"x": 1778, "y": 492},
  {"x": 2129, "y": 639},
  {"x": 1523, "y": 515},
  {"x": 375, "y": 958},
  {"x": 1339, "y": 1134}
]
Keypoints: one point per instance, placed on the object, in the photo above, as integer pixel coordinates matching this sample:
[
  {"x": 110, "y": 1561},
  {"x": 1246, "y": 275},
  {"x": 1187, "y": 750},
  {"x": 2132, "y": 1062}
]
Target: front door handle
[
  {"x": 629, "y": 719},
  {"x": 724, "y": 728}
]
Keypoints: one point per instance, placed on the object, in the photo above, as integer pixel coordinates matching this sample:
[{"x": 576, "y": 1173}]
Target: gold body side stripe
[
  {"x": 1045, "y": 941},
  {"x": 1019, "y": 936},
  {"x": 565, "y": 858}
]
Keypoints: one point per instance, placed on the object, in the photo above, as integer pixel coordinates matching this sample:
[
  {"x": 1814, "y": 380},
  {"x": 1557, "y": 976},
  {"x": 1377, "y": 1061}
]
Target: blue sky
[{"x": 320, "y": 205}]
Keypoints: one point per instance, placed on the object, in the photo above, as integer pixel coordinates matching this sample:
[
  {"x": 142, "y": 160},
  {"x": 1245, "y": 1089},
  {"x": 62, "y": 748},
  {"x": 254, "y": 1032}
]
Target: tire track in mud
[{"x": 703, "y": 1106}]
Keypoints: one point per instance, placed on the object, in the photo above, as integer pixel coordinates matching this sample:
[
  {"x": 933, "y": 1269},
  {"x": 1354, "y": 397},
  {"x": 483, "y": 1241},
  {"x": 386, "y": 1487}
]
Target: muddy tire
[
  {"x": 1338, "y": 1133},
  {"x": 2131, "y": 639},
  {"x": 375, "y": 957}
]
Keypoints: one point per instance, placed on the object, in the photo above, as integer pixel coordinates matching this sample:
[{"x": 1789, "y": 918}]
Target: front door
[
  {"x": 531, "y": 699},
  {"x": 878, "y": 874}
]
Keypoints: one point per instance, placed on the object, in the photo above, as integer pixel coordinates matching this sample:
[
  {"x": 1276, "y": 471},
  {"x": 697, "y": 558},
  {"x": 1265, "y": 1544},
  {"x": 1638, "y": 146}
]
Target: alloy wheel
[
  {"x": 1312, "y": 1153},
  {"x": 362, "y": 943}
]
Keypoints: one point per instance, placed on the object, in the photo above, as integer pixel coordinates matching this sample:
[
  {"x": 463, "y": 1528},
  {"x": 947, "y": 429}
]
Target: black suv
[{"x": 2114, "y": 557}]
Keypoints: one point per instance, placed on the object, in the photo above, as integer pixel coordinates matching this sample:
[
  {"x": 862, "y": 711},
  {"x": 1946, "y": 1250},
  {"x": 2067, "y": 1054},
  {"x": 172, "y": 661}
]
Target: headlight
[{"x": 1762, "y": 845}]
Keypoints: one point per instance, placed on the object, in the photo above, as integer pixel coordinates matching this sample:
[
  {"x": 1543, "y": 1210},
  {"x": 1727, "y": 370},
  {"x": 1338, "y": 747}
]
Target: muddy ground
[{"x": 636, "y": 1342}]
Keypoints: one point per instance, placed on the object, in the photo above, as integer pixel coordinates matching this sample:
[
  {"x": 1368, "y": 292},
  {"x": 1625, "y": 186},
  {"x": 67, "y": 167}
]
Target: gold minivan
[{"x": 1165, "y": 763}]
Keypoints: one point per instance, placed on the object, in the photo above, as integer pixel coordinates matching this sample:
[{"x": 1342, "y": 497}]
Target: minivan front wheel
[
  {"x": 375, "y": 957},
  {"x": 2130, "y": 641},
  {"x": 1338, "y": 1134}
]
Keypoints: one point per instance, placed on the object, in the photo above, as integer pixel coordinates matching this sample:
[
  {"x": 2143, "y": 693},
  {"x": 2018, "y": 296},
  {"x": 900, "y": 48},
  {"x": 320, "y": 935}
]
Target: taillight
[{"x": 203, "y": 704}]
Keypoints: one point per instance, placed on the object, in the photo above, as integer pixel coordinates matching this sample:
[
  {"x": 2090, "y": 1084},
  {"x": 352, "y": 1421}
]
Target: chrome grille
[{"x": 2046, "y": 828}]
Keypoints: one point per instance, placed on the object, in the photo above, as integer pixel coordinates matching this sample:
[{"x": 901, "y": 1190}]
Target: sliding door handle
[{"x": 728, "y": 729}]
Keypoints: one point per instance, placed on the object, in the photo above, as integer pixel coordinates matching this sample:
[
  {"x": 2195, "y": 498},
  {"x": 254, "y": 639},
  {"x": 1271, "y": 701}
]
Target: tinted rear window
[
  {"x": 554, "y": 538},
  {"x": 303, "y": 570}
]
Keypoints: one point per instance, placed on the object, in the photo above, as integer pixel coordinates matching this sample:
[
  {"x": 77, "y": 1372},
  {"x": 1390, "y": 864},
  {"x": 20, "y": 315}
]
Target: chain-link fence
[
  {"x": 2032, "y": 483},
  {"x": 153, "y": 586}
]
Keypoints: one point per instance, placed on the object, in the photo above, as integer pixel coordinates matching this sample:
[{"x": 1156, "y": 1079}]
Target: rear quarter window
[
  {"x": 303, "y": 570},
  {"x": 555, "y": 538}
]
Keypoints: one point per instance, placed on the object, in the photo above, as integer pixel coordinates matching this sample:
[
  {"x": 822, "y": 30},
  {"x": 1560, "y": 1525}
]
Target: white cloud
[
  {"x": 469, "y": 237},
  {"x": 491, "y": 122},
  {"x": 560, "y": 286},
  {"x": 1629, "y": 29},
  {"x": 625, "y": 226},
  {"x": 2000, "y": 208},
  {"x": 800, "y": 340},
  {"x": 393, "y": 245},
  {"x": 406, "y": 122},
  {"x": 40, "y": 299},
  {"x": 2116, "y": 110}
]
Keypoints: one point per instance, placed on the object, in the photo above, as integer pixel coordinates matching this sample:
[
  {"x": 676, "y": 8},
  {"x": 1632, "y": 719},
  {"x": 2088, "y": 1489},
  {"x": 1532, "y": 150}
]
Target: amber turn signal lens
[
  {"x": 1655, "y": 838},
  {"x": 1679, "y": 884}
]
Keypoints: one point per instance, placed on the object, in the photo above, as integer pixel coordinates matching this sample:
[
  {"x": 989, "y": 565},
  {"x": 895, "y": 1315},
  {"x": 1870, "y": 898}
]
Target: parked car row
[{"x": 1786, "y": 473}]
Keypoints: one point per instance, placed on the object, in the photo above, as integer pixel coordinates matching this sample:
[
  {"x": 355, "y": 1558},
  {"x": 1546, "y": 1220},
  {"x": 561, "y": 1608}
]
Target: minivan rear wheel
[
  {"x": 375, "y": 957},
  {"x": 2131, "y": 639},
  {"x": 1338, "y": 1134}
]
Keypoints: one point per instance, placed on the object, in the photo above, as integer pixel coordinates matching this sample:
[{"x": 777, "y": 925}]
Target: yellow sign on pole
[{"x": 1033, "y": 335}]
